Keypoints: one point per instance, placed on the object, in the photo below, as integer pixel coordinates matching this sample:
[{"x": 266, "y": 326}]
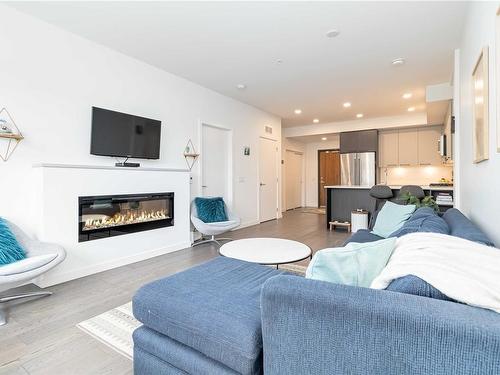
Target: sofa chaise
[{"x": 231, "y": 317}]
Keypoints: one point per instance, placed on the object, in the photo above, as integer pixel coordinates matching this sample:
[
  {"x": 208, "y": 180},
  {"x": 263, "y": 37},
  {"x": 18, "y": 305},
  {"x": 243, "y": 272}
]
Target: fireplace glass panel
[{"x": 108, "y": 216}]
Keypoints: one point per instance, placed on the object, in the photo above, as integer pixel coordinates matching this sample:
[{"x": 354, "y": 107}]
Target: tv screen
[{"x": 122, "y": 135}]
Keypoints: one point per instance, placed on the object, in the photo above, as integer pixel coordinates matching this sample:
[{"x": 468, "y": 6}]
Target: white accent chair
[
  {"x": 211, "y": 230},
  {"x": 40, "y": 257}
]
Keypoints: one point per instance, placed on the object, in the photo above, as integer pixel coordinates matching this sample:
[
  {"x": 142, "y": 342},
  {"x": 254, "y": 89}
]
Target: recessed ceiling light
[
  {"x": 298, "y": 111},
  {"x": 346, "y": 105},
  {"x": 359, "y": 115},
  {"x": 316, "y": 120},
  {"x": 398, "y": 62},
  {"x": 332, "y": 33},
  {"x": 241, "y": 86},
  {"x": 411, "y": 109},
  {"x": 407, "y": 95},
  {"x": 324, "y": 139}
]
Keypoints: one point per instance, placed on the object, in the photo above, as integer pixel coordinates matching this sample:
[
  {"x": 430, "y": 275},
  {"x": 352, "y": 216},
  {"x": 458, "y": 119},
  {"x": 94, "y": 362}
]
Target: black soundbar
[{"x": 128, "y": 165}]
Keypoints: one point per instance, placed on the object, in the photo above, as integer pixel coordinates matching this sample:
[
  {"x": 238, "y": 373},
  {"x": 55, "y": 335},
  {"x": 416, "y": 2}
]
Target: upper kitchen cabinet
[
  {"x": 360, "y": 141},
  {"x": 388, "y": 155},
  {"x": 428, "y": 145},
  {"x": 408, "y": 147}
]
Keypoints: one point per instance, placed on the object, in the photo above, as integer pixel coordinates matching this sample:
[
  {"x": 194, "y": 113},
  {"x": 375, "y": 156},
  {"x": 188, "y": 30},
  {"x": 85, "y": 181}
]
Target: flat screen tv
[{"x": 122, "y": 135}]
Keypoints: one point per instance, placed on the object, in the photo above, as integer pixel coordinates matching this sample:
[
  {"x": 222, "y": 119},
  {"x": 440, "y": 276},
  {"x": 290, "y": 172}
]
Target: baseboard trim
[
  {"x": 247, "y": 224},
  {"x": 54, "y": 278}
]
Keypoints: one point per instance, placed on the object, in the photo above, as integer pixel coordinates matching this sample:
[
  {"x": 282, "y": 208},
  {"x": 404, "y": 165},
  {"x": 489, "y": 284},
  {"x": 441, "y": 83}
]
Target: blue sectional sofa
[
  {"x": 233, "y": 317},
  {"x": 459, "y": 225}
]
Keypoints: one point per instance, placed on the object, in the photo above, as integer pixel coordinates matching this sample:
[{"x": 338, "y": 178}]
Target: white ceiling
[{"x": 221, "y": 44}]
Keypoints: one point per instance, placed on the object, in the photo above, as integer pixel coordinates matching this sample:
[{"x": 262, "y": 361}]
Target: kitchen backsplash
[{"x": 414, "y": 175}]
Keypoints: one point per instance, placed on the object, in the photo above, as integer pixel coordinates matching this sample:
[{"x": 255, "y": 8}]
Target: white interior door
[
  {"x": 268, "y": 153},
  {"x": 215, "y": 161},
  {"x": 293, "y": 179}
]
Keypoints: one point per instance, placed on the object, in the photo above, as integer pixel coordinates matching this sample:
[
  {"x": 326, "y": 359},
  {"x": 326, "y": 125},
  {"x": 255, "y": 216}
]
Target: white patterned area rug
[
  {"x": 297, "y": 269},
  {"x": 114, "y": 328}
]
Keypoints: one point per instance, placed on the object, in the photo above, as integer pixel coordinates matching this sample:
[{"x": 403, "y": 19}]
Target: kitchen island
[{"x": 342, "y": 199}]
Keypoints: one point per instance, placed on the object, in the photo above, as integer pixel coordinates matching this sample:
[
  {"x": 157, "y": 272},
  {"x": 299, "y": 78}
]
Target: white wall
[
  {"x": 49, "y": 80},
  {"x": 312, "y": 167},
  {"x": 293, "y": 145},
  {"x": 479, "y": 183}
]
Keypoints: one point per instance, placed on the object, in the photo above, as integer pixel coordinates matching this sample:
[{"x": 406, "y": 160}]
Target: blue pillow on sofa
[
  {"x": 461, "y": 226},
  {"x": 10, "y": 250},
  {"x": 424, "y": 219},
  {"x": 210, "y": 210},
  {"x": 414, "y": 285}
]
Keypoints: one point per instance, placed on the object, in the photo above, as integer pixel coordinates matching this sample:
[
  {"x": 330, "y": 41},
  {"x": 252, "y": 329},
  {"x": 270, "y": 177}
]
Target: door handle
[
  {"x": 204, "y": 186},
  {"x": 261, "y": 184}
]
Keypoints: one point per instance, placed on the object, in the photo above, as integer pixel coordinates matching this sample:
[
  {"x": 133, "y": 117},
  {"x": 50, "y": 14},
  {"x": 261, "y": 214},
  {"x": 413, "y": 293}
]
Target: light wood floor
[{"x": 41, "y": 336}]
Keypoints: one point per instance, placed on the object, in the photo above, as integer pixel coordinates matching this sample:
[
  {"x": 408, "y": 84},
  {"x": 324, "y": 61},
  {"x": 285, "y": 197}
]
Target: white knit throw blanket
[{"x": 463, "y": 270}]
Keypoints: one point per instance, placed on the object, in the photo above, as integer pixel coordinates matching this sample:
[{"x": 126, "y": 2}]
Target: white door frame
[
  {"x": 229, "y": 156},
  {"x": 456, "y": 107},
  {"x": 277, "y": 179}
]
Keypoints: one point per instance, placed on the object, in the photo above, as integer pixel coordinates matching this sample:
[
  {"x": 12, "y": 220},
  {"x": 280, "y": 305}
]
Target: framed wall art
[
  {"x": 480, "y": 96},
  {"x": 498, "y": 76}
]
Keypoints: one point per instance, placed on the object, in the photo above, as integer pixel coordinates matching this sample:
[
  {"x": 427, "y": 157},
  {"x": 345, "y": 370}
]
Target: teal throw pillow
[
  {"x": 392, "y": 217},
  {"x": 211, "y": 210},
  {"x": 10, "y": 250},
  {"x": 356, "y": 264}
]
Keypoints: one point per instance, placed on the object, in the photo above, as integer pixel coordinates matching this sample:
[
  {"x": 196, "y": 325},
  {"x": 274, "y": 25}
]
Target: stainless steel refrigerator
[{"x": 358, "y": 169}]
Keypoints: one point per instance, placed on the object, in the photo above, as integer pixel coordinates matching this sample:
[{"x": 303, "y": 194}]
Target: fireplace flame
[{"x": 131, "y": 217}]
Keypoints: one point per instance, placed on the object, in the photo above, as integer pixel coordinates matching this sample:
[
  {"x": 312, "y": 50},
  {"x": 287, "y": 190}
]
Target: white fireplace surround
[{"x": 55, "y": 212}]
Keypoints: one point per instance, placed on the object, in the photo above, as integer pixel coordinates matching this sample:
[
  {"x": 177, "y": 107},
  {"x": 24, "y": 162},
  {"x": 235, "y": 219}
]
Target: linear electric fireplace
[{"x": 114, "y": 215}]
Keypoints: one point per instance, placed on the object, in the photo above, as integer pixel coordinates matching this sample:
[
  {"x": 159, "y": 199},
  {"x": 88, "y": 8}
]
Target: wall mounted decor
[
  {"x": 498, "y": 77},
  {"x": 480, "y": 115},
  {"x": 246, "y": 151},
  {"x": 10, "y": 135},
  {"x": 190, "y": 154}
]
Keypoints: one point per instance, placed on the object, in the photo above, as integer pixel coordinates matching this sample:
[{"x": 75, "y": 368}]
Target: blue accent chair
[{"x": 209, "y": 231}]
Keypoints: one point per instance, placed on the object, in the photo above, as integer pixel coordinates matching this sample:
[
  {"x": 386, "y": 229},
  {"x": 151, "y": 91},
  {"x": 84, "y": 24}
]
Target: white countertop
[
  {"x": 425, "y": 187},
  {"x": 347, "y": 187}
]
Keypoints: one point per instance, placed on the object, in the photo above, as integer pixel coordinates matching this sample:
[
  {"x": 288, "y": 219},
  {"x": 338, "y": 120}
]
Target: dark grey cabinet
[{"x": 361, "y": 141}]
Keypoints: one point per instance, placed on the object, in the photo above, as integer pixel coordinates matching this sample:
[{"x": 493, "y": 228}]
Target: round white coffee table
[{"x": 266, "y": 250}]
